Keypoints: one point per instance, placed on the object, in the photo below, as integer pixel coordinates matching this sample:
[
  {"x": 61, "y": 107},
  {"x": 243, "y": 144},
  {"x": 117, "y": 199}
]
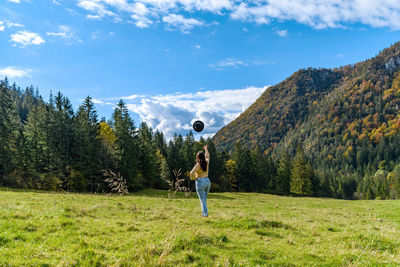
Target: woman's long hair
[{"x": 202, "y": 160}]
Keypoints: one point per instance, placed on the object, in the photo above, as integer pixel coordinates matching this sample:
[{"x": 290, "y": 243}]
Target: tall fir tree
[
  {"x": 61, "y": 122},
  {"x": 36, "y": 140},
  {"x": 126, "y": 146},
  {"x": 282, "y": 178},
  {"x": 147, "y": 156},
  {"x": 88, "y": 147},
  {"x": 244, "y": 175},
  {"x": 9, "y": 125},
  {"x": 301, "y": 175}
]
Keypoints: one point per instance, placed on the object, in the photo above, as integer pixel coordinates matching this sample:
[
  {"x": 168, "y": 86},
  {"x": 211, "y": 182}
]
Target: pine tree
[
  {"x": 36, "y": 140},
  {"x": 282, "y": 182},
  {"x": 188, "y": 153},
  {"x": 9, "y": 125},
  {"x": 126, "y": 147},
  {"x": 62, "y": 130},
  {"x": 88, "y": 147},
  {"x": 175, "y": 158},
  {"x": 245, "y": 177},
  {"x": 147, "y": 156},
  {"x": 231, "y": 172},
  {"x": 301, "y": 172},
  {"x": 160, "y": 142},
  {"x": 263, "y": 172},
  {"x": 217, "y": 165}
]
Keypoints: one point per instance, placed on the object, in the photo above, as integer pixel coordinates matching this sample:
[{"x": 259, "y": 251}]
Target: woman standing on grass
[{"x": 200, "y": 174}]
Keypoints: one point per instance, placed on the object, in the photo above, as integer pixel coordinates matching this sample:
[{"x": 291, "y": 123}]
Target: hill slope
[
  {"x": 347, "y": 118},
  {"x": 279, "y": 109}
]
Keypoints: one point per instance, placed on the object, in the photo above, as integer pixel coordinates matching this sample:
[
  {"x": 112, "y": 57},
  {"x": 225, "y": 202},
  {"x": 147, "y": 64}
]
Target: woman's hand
[{"x": 205, "y": 147}]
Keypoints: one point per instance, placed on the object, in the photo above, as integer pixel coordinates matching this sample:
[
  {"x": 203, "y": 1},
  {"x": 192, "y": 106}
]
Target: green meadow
[{"x": 153, "y": 228}]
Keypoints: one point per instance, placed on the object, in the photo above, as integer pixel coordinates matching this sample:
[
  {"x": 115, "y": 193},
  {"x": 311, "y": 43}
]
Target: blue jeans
[{"x": 202, "y": 189}]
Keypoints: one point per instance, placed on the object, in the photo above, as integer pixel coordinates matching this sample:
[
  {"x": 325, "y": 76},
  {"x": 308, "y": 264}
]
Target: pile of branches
[{"x": 116, "y": 182}]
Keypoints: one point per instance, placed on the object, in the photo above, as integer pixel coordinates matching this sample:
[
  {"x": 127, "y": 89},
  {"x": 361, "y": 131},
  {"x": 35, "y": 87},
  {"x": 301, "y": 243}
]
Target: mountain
[
  {"x": 279, "y": 109},
  {"x": 346, "y": 119}
]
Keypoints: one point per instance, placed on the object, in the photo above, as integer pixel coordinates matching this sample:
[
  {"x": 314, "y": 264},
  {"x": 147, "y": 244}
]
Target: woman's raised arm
[{"x": 207, "y": 155}]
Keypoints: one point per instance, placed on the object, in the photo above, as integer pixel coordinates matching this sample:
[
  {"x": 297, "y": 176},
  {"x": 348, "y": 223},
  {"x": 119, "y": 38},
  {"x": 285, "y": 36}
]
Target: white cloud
[
  {"x": 140, "y": 9},
  {"x": 322, "y": 14},
  {"x": 14, "y": 1},
  {"x": 61, "y": 34},
  {"x": 94, "y": 17},
  {"x": 8, "y": 24},
  {"x": 236, "y": 63},
  {"x": 228, "y": 62},
  {"x": 65, "y": 32},
  {"x": 318, "y": 14},
  {"x": 96, "y": 7},
  {"x": 131, "y": 97},
  {"x": 281, "y": 33},
  {"x": 25, "y": 38},
  {"x": 13, "y": 72},
  {"x": 175, "y": 113},
  {"x": 141, "y": 21},
  {"x": 180, "y": 22},
  {"x": 96, "y": 101},
  {"x": 13, "y": 24}
]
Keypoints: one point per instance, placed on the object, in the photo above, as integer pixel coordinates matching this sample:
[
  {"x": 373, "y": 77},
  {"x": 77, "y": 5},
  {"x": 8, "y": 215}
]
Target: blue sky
[{"x": 175, "y": 61}]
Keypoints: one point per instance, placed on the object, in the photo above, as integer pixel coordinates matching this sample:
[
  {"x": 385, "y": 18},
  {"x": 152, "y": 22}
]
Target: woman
[{"x": 200, "y": 174}]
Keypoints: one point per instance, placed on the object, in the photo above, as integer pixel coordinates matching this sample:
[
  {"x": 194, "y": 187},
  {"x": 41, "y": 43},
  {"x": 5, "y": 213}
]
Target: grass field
[{"x": 150, "y": 229}]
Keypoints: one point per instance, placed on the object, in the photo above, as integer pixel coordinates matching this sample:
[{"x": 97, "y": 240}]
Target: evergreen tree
[
  {"x": 382, "y": 190},
  {"x": 126, "y": 147},
  {"x": 36, "y": 140},
  {"x": 245, "y": 177},
  {"x": 87, "y": 172},
  {"x": 161, "y": 144},
  {"x": 188, "y": 153},
  {"x": 62, "y": 130},
  {"x": 217, "y": 167},
  {"x": 301, "y": 174},
  {"x": 147, "y": 156},
  {"x": 9, "y": 125},
  {"x": 282, "y": 181},
  {"x": 175, "y": 158},
  {"x": 231, "y": 172}
]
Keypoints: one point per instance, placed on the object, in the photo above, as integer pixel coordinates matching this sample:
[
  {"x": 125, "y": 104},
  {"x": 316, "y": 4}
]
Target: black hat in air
[{"x": 198, "y": 126}]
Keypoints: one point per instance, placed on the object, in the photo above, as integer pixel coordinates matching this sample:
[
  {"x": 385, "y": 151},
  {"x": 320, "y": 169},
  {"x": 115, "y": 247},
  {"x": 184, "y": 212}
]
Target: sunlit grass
[{"x": 148, "y": 228}]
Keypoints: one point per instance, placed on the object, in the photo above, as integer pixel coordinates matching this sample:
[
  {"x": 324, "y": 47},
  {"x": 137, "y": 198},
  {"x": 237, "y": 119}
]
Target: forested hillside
[
  {"x": 346, "y": 120},
  {"x": 279, "y": 109}
]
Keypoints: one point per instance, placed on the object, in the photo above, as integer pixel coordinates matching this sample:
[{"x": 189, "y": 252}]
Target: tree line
[{"x": 47, "y": 145}]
